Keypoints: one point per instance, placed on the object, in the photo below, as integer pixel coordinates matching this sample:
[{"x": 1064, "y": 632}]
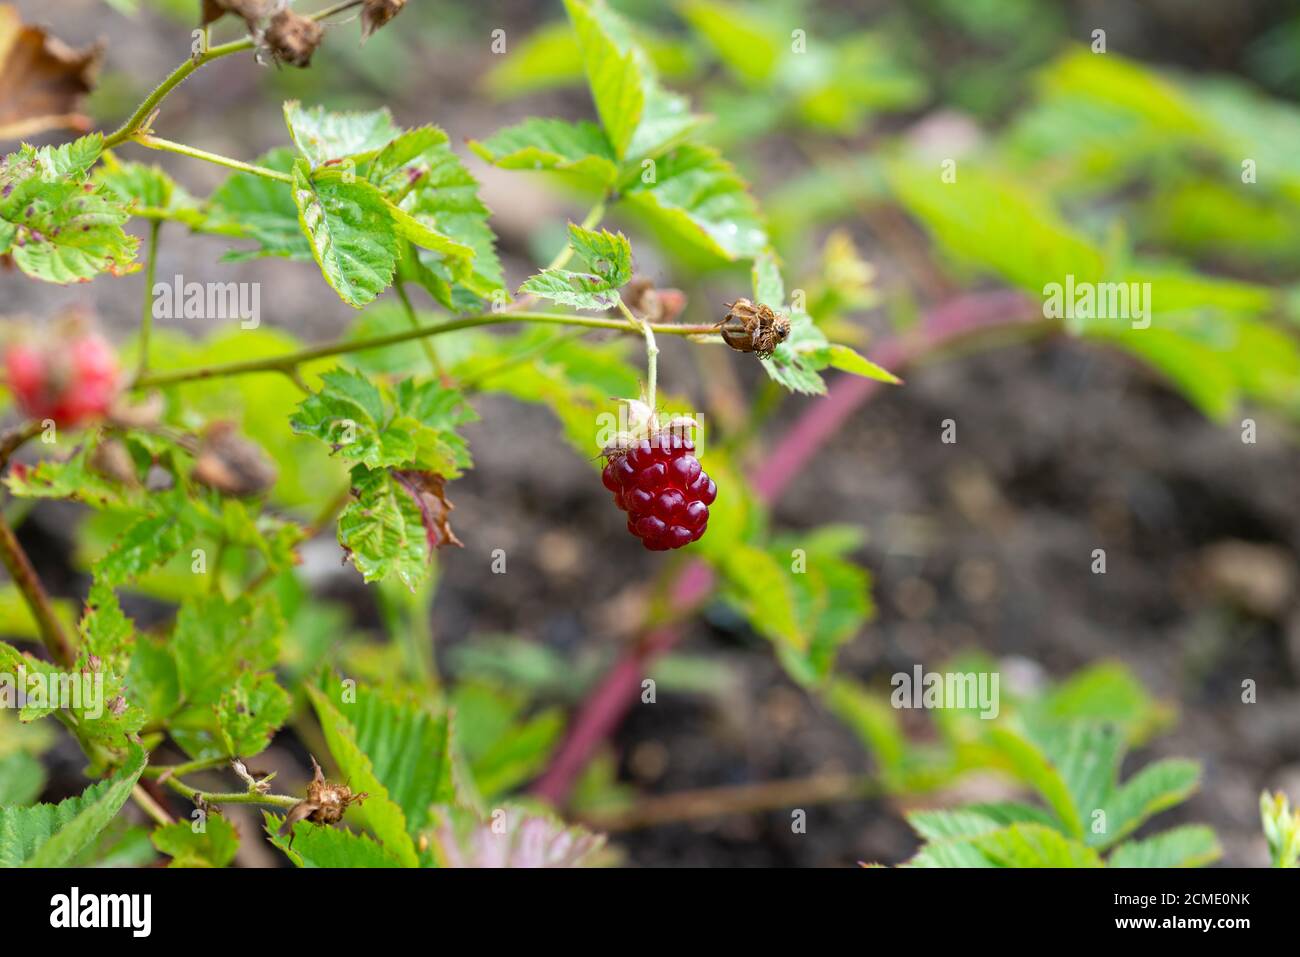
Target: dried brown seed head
[
  {"x": 753, "y": 327},
  {"x": 293, "y": 38},
  {"x": 112, "y": 460},
  {"x": 652, "y": 304},
  {"x": 325, "y": 802},
  {"x": 376, "y": 13},
  {"x": 231, "y": 464}
]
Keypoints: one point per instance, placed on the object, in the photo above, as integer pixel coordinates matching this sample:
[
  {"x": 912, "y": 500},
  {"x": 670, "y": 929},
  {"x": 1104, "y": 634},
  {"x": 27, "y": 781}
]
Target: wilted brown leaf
[
  {"x": 376, "y": 13},
  {"x": 41, "y": 79},
  {"x": 427, "y": 488}
]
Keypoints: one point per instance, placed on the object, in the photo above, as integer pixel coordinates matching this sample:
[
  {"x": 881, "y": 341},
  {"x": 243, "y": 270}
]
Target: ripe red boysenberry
[
  {"x": 659, "y": 483},
  {"x": 70, "y": 379}
]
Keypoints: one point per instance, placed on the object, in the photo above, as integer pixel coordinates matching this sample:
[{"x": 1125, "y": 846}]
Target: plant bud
[{"x": 753, "y": 327}]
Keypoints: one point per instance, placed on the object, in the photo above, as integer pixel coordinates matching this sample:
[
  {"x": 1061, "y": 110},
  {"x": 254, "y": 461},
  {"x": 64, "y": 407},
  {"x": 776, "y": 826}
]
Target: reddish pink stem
[{"x": 611, "y": 700}]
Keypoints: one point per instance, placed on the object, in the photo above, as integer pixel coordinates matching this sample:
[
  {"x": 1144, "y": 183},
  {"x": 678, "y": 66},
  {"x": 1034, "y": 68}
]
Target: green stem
[
  {"x": 651, "y": 352},
  {"x": 413, "y": 318},
  {"x": 234, "y": 797},
  {"x": 342, "y": 347},
  {"x": 193, "y": 152},
  {"x": 151, "y": 807},
  {"x": 188, "y": 767},
  {"x": 146, "y": 315},
  {"x": 135, "y": 123}
]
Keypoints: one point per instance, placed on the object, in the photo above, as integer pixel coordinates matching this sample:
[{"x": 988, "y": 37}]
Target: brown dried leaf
[
  {"x": 42, "y": 79},
  {"x": 428, "y": 490}
]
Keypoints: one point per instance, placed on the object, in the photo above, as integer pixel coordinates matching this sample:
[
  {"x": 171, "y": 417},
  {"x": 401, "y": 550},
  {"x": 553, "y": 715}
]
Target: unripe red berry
[
  {"x": 660, "y": 484},
  {"x": 72, "y": 378}
]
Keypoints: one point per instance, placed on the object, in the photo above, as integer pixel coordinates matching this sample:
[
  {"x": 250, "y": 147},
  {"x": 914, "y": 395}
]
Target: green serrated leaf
[
  {"x": 380, "y": 813},
  {"x": 57, "y": 226},
  {"x": 1192, "y": 845},
  {"x": 613, "y": 74},
  {"x": 249, "y": 713},
  {"x": 1034, "y": 845},
  {"x": 608, "y": 257},
  {"x": 695, "y": 195},
  {"x": 323, "y": 136},
  {"x": 254, "y": 207},
  {"x": 311, "y": 845},
  {"x": 383, "y": 529},
  {"x": 352, "y": 231},
  {"x": 215, "y": 846},
  {"x": 409, "y": 749},
  {"x": 580, "y": 149},
  {"x": 51, "y": 835}
]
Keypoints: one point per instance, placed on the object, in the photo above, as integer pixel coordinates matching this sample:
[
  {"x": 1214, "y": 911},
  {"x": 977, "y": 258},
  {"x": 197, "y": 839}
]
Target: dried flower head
[
  {"x": 231, "y": 464},
  {"x": 293, "y": 38},
  {"x": 376, "y": 13},
  {"x": 652, "y": 304},
  {"x": 753, "y": 327},
  {"x": 325, "y": 802}
]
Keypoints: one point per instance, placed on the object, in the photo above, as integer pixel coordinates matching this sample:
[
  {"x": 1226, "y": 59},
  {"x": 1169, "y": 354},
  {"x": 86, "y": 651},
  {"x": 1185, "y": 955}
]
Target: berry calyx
[
  {"x": 72, "y": 378},
  {"x": 658, "y": 481}
]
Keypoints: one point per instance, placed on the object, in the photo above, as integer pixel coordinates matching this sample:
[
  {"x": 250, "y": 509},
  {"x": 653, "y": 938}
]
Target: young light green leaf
[
  {"x": 148, "y": 191},
  {"x": 249, "y": 713},
  {"x": 57, "y": 226},
  {"x": 608, "y": 257},
  {"x": 693, "y": 194},
  {"x": 323, "y": 136},
  {"x": 352, "y": 232},
  {"x": 613, "y": 74},
  {"x": 51, "y": 835},
  {"x": 1034, "y": 845},
  {"x": 553, "y": 145},
  {"x": 1192, "y": 845},
  {"x": 253, "y": 207}
]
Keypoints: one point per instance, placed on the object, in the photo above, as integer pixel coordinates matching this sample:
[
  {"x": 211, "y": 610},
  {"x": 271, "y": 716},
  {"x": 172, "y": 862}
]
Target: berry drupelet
[{"x": 659, "y": 483}]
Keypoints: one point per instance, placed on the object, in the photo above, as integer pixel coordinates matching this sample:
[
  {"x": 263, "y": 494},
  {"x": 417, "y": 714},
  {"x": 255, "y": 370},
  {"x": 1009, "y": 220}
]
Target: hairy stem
[
  {"x": 135, "y": 123},
  {"x": 345, "y": 346},
  {"x": 234, "y": 797},
  {"x": 193, "y": 152},
  {"x": 651, "y": 352},
  {"x": 413, "y": 318},
  {"x": 164, "y": 771},
  {"x": 151, "y": 807}
]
